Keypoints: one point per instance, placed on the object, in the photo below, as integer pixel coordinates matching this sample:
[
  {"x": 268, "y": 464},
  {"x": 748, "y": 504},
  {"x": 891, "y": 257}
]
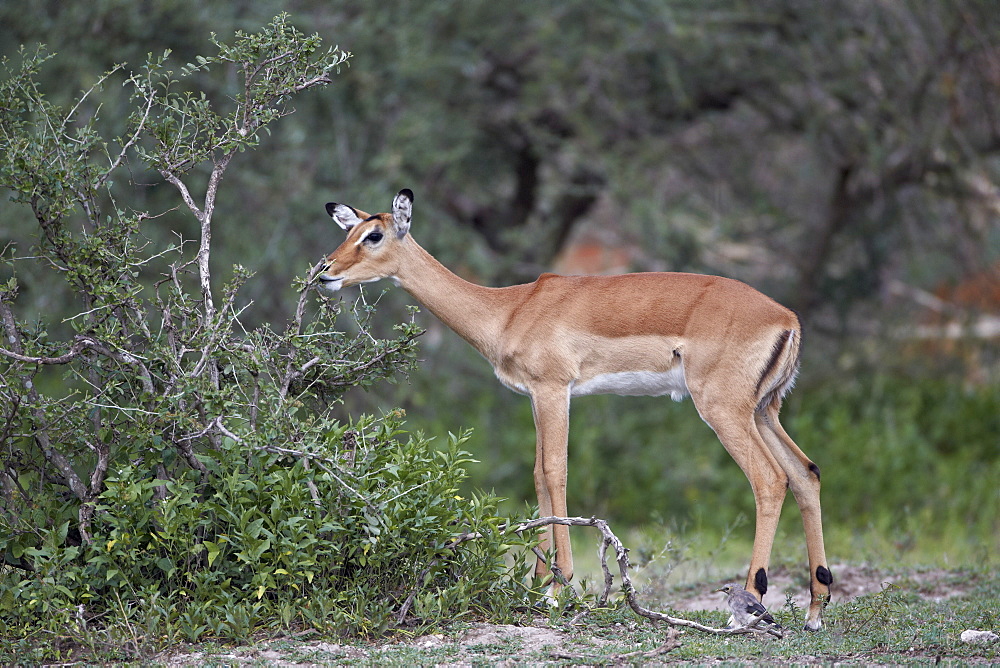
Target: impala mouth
[{"x": 329, "y": 283}]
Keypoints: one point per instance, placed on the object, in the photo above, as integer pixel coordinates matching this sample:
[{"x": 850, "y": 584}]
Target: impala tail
[{"x": 782, "y": 368}]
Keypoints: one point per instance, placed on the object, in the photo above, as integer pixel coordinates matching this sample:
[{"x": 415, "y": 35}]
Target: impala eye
[{"x": 374, "y": 237}]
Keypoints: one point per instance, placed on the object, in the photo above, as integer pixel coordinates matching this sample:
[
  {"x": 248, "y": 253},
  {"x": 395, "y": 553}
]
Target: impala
[{"x": 732, "y": 349}]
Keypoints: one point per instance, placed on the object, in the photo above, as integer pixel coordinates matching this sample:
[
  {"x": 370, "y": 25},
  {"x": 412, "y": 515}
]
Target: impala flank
[{"x": 734, "y": 351}]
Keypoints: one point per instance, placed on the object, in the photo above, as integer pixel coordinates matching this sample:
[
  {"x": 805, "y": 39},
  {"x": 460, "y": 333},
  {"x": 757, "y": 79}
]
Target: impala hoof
[
  {"x": 813, "y": 624},
  {"x": 551, "y": 597}
]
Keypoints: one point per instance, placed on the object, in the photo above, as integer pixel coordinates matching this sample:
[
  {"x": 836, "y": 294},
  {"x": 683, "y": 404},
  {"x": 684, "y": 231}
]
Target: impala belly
[
  {"x": 635, "y": 383},
  {"x": 637, "y": 365},
  {"x": 630, "y": 366}
]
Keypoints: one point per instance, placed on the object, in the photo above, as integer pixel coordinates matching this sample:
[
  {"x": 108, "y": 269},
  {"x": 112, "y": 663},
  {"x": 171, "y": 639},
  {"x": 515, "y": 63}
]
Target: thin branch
[
  {"x": 41, "y": 431},
  {"x": 140, "y": 127},
  {"x": 176, "y": 182},
  {"x": 455, "y": 542},
  {"x": 80, "y": 344},
  {"x": 319, "y": 461},
  {"x": 278, "y": 450},
  {"x": 184, "y": 447},
  {"x": 291, "y": 374},
  {"x": 209, "y": 427},
  {"x": 609, "y": 538},
  {"x": 609, "y": 579},
  {"x": 670, "y": 644},
  {"x": 374, "y": 360},
  {"x": 74, "y": 351},
  {"x": 313, "y": 491}
]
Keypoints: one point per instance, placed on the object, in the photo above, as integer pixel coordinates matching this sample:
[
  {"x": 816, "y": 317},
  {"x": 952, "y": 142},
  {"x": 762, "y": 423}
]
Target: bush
[
  {"x": 185, "y": 475},
  {"x": 337, "y": 541}
]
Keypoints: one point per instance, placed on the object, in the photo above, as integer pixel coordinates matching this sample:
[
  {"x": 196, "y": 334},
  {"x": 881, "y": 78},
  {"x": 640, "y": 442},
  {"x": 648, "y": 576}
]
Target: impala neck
[{"x": 474, "y": 312}]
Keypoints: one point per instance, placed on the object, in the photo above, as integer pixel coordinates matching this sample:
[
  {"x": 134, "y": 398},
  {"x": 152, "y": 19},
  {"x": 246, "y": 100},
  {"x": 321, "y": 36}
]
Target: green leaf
[{"x": 214, "y": 550}]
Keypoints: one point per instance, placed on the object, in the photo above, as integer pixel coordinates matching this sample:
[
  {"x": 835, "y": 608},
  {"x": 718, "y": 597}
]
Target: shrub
[
  {"x": 185, "y": 476},
  {"x": 337, "y": 541}
]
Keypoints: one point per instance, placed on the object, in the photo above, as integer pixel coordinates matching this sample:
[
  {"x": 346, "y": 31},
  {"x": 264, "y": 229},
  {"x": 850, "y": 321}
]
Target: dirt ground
[
  {"x": 526, "y": 641},
  {"x": 849, "y": 583}
]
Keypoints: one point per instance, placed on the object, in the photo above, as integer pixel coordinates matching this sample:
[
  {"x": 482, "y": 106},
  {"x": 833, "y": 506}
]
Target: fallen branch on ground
[
  {"x": 671, "y": 644},
  {"x": 610, "y": 539}
]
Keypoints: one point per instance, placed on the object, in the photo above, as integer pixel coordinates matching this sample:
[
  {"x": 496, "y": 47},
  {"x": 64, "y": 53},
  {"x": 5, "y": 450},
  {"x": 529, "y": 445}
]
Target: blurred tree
[
  {"x": 824, "y": 153},
  {"x": 841, "y": 156}
]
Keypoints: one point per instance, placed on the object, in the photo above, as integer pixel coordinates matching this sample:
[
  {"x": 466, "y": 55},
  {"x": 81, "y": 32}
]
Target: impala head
[{"x": 368, "y": 253}]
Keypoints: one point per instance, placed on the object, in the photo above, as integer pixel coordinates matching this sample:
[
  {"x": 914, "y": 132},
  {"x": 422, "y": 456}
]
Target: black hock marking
[
  {"x": 814, "y": 469},
  {"x": 824, "y": 576},
  {"x": 760, "y": 581}
]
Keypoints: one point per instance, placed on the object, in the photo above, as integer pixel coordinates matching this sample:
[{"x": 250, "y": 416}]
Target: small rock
[
  {"x": 432, "y": 640},
  {"x": 982, "y": 637}
]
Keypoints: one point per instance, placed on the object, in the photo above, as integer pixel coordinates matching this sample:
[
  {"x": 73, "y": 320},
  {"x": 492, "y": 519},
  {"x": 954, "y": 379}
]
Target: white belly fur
[{"x": 635, "y": 383}]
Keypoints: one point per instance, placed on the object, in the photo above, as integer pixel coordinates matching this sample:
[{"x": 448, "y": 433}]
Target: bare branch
[
  {"x": 80, "y": 344},
  {"x": 670, "y": 644},
  {"x": 609, "y": 538},
  {"x": 175, "y": 181},
  {"x": 74, "y": 351},
  {"x": 140, "y": 128},
  {"x": 41, "y": 431},
  {"x": 627, "y": 587},
  {"x": 300, "y": 310},
  {"x": 320, "y": 462}
]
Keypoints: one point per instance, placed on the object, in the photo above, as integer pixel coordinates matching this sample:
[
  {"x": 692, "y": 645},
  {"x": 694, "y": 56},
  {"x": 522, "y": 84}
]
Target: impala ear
[
  {"x": 345, "y": 216},
  {"x": 402, "y": 211}
]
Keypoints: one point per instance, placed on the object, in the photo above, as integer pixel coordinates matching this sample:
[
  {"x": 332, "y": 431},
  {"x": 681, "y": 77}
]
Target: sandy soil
[{"x": 849, "y": 583}]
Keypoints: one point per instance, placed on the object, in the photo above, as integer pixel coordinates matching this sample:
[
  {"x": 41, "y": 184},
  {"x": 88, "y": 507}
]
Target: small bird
[{"x": 746, "y": 608}]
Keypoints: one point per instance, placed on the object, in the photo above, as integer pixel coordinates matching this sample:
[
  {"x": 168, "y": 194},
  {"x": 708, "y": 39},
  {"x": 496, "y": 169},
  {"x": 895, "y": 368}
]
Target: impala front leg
[{"x": 550, "y": 408}]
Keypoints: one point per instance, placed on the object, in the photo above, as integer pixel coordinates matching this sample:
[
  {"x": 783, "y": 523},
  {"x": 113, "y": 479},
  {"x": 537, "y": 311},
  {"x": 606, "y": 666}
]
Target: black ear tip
[
  {"x": 407, "y": 193},
  {"x": 330, "y": 206}
]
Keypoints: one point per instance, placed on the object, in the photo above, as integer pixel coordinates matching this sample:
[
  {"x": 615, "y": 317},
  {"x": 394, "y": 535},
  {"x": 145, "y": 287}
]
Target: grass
[{"x": 901, "y": 624}]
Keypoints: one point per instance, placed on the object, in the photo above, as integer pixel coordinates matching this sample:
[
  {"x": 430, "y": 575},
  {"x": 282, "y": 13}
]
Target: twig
[
  {"x": 627, "y": 587},
  {"x": 41, "y": 431},
  {"x": 81, "y": 343},
  {"x": 557, "y": 573},
  {"x": 313, "y": 491},
  {"x": 319, "y": 461},
  {"x": 609, "y": 579},
  {"x": 300, "y": 309},
  {"x": 375, "y": 359},
  {"x": 670, "y": 644},
  {"x": 458, "y": 540}
]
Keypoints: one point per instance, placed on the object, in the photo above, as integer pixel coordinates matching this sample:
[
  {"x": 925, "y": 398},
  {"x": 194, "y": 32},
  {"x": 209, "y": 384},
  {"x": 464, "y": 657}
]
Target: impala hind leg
[
  {"x": 735, "y": 427},
  {"x": 550, "y": 408},
  {"x": 803, "y": 479}
]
